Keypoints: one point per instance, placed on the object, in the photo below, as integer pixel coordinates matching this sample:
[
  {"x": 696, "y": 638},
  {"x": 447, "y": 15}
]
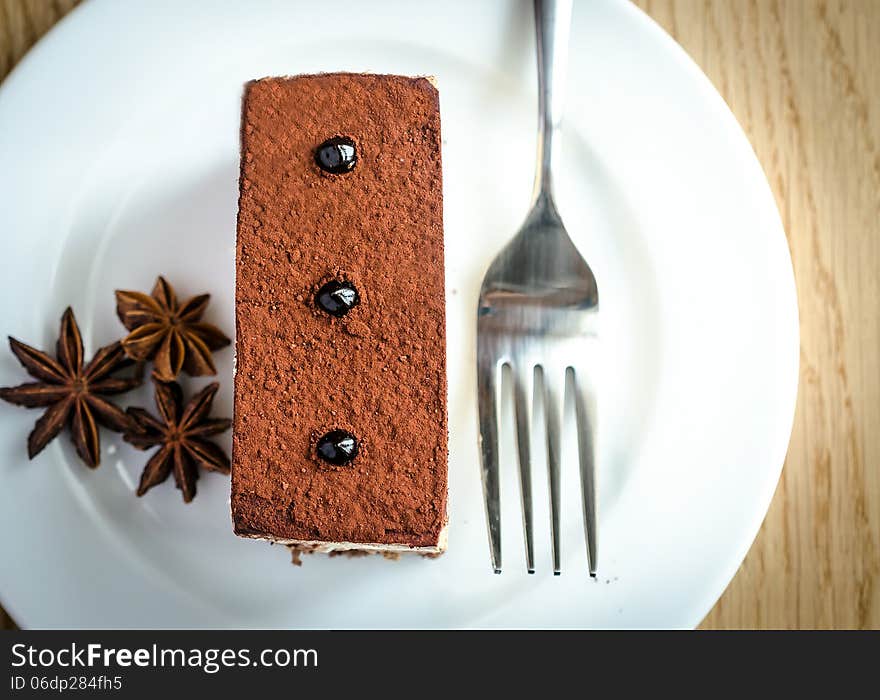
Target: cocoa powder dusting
[{"x": 380, "y": 371}]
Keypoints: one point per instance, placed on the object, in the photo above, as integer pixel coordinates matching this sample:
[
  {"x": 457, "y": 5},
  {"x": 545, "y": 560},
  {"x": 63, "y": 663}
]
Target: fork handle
[{"x": 552, "y": 27}]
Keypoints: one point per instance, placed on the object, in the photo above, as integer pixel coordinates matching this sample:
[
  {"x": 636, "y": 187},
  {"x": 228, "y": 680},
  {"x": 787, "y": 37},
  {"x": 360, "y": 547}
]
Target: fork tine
[
  {"x": 552, "y": 395},
  {"x": 487, "y": 371},
  {"x": 585, "y": 415},
  {"x": 522, "y": 378}
]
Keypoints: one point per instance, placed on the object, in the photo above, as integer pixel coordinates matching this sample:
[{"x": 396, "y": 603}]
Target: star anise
[
  {"x": 72, "y": 393},
  {"x": 180, "y": 432},
  {"x": 169, "y": 333}
]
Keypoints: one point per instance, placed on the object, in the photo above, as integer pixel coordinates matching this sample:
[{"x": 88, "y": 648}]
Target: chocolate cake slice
[{"x": 340, "y": 438}]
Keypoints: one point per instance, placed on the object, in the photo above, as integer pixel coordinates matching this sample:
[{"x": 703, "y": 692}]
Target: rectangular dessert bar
[{"x": 340, "y": 423}]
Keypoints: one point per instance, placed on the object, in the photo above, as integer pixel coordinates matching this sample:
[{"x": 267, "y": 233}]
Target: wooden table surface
[{"x": 801, "y": 77}]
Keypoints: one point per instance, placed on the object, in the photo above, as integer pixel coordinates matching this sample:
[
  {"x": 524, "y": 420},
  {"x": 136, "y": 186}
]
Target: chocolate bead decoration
[
  {"x": 338, "y": 447},
  {"x": 337, "y": 155},
  {"x": 337, "y": 298}
]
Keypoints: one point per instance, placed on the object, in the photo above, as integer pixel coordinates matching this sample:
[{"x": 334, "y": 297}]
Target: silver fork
[{"x": 537, "y": 315}]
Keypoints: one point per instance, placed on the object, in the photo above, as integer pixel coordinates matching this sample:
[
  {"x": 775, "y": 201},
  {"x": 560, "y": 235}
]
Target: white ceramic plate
[{"x": 119, "y": 152}]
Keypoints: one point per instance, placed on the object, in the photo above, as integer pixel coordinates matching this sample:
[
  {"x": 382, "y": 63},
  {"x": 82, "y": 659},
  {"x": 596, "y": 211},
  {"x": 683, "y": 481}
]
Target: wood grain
[
  {"x": 800, "y": 77},
  {"x": 22, "y": 22}
]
